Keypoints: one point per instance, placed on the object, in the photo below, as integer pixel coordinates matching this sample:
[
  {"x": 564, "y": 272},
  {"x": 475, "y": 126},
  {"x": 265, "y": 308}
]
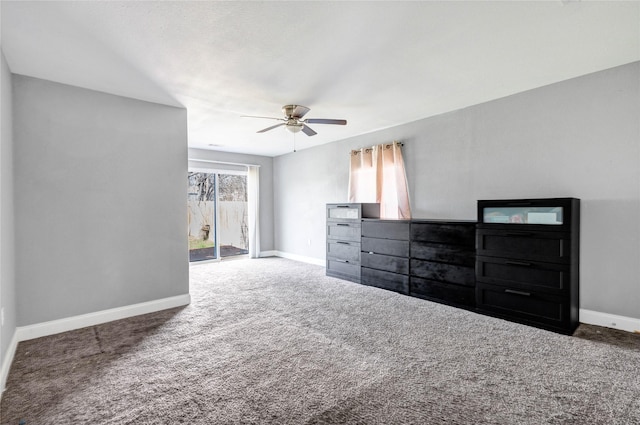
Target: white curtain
[
  {"x": 377, "y": 174},
  {"x": 253, "y": 187}
]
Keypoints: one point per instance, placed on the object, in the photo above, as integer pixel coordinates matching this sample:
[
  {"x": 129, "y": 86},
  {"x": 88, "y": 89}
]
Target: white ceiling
[{"x": 376, "y": 64}]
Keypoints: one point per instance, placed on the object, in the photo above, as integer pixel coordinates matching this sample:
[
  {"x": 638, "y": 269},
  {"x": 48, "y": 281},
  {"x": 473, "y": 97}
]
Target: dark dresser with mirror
[{"x": 519, "y": 261}]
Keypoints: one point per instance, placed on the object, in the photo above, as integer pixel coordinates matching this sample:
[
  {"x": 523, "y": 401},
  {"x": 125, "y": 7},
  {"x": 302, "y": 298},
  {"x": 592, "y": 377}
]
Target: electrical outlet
[{"x": 2, "y": 316}]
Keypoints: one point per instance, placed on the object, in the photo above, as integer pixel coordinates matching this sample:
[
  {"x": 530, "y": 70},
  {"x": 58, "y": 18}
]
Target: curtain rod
[{"x": 356, "y": 151}]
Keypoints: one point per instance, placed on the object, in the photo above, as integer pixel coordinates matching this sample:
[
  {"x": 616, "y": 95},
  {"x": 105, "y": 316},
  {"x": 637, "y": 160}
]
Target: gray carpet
[{"x": 273, "y": 341}]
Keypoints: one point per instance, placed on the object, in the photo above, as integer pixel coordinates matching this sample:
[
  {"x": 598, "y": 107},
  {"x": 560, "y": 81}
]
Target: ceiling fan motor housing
[{"x": 294, "y": 111}]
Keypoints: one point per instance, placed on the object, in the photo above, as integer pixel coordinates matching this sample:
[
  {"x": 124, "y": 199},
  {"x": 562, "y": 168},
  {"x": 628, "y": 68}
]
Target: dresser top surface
[{"x": 424, "y": 220}]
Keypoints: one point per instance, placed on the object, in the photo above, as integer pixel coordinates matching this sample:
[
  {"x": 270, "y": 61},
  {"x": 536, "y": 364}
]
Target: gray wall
[
  {"x": 7, "y": 247},
  {"x": 266, "y": 185},
  {"x": 100, "y": 183},
  {"x": 578, "y": 138}
]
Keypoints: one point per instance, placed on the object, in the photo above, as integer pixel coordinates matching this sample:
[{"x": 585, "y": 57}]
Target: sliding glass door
[{"x": 217, "y": 215}]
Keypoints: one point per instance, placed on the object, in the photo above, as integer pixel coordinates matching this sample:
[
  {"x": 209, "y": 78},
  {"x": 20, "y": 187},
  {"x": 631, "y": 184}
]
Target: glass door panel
[
  {"x": 233, "y": 219},
  {"x": 201, "y": 213}
]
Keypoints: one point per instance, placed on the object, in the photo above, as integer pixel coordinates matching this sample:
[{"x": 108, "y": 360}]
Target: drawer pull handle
[
  {"x": 342, "y": 261},
  {"x": 342, "y": 206},
  {"x": 519, "y": 263},
  {"x": 521, "y": 234},
  {"x": 513, "y": 291},
  {"x": 343, "y": 243},
  {"x": 342, "y": 224}
]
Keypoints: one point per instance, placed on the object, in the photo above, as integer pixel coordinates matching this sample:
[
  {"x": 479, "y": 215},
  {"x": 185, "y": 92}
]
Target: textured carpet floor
[{"x": 273, "y": 341}]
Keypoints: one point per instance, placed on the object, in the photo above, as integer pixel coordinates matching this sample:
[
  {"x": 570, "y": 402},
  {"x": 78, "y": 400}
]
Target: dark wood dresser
[
  {"x": 385, "y": 254},
  {"x": 343, "y": 238},
  {"x": 527, "y": 266},
  {"x": 443, "y": 261},
  {"x": 430, "y": 259}
]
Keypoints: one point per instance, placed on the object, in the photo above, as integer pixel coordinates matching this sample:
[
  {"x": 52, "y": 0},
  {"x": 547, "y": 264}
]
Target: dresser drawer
[
  {"x": 386, "y": 246},
  {"x": 525, "y": 275},
  {"x": 386, "y": 229},
  {"x": 452, "y": 234},
  {"x": 352, "y": 211},
  {"x": 344, "y": 231},
  {"x": 529, "y": 306},
  {"x": 385, "y": 280},
  {"x": 443, "y": 272},
  {"x": 555, "y": 214},
  {"x": 439, "y": 291},
  {"x": 342, "y": 250},
  {"x": 455, "y": 254},
  {"x": 537, "y": 246},
  {"x": 385, "y": 262},
  {"x": 344, "y": 211},
  {"x": 343, "y": 268}
]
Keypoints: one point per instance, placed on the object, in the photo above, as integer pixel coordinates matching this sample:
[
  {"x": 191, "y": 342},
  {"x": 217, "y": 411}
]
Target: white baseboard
[
  {"x": 607, "y": 320},
  {"x": 6, "y": 362},
  {"x": 90, "y": 319},
  {"x": 301, "y": 258},
  {"x": 268, "y": 254}
]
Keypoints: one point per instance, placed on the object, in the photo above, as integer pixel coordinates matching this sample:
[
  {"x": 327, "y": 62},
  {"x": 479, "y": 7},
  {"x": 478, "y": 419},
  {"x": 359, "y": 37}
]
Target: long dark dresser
[{"x": 519, "y": 261}]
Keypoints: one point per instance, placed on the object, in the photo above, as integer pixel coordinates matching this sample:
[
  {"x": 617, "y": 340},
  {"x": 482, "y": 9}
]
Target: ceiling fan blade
[
  {"x": 325, "y": 121},
  {"x": 270, "y": 128},
  {"x": 268, "y": 118},
  {"x": 308, "y": 131},
  {"x": 299, "y": 111}
]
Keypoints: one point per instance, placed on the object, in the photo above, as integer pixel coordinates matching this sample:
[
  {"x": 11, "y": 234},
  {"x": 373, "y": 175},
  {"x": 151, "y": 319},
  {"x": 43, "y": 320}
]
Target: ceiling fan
[{"x": 293, "y": 120}]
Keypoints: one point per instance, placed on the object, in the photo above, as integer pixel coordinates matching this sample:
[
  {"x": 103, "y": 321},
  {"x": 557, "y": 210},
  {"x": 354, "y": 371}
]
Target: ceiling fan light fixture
[{"x": 294, "y": 127}]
